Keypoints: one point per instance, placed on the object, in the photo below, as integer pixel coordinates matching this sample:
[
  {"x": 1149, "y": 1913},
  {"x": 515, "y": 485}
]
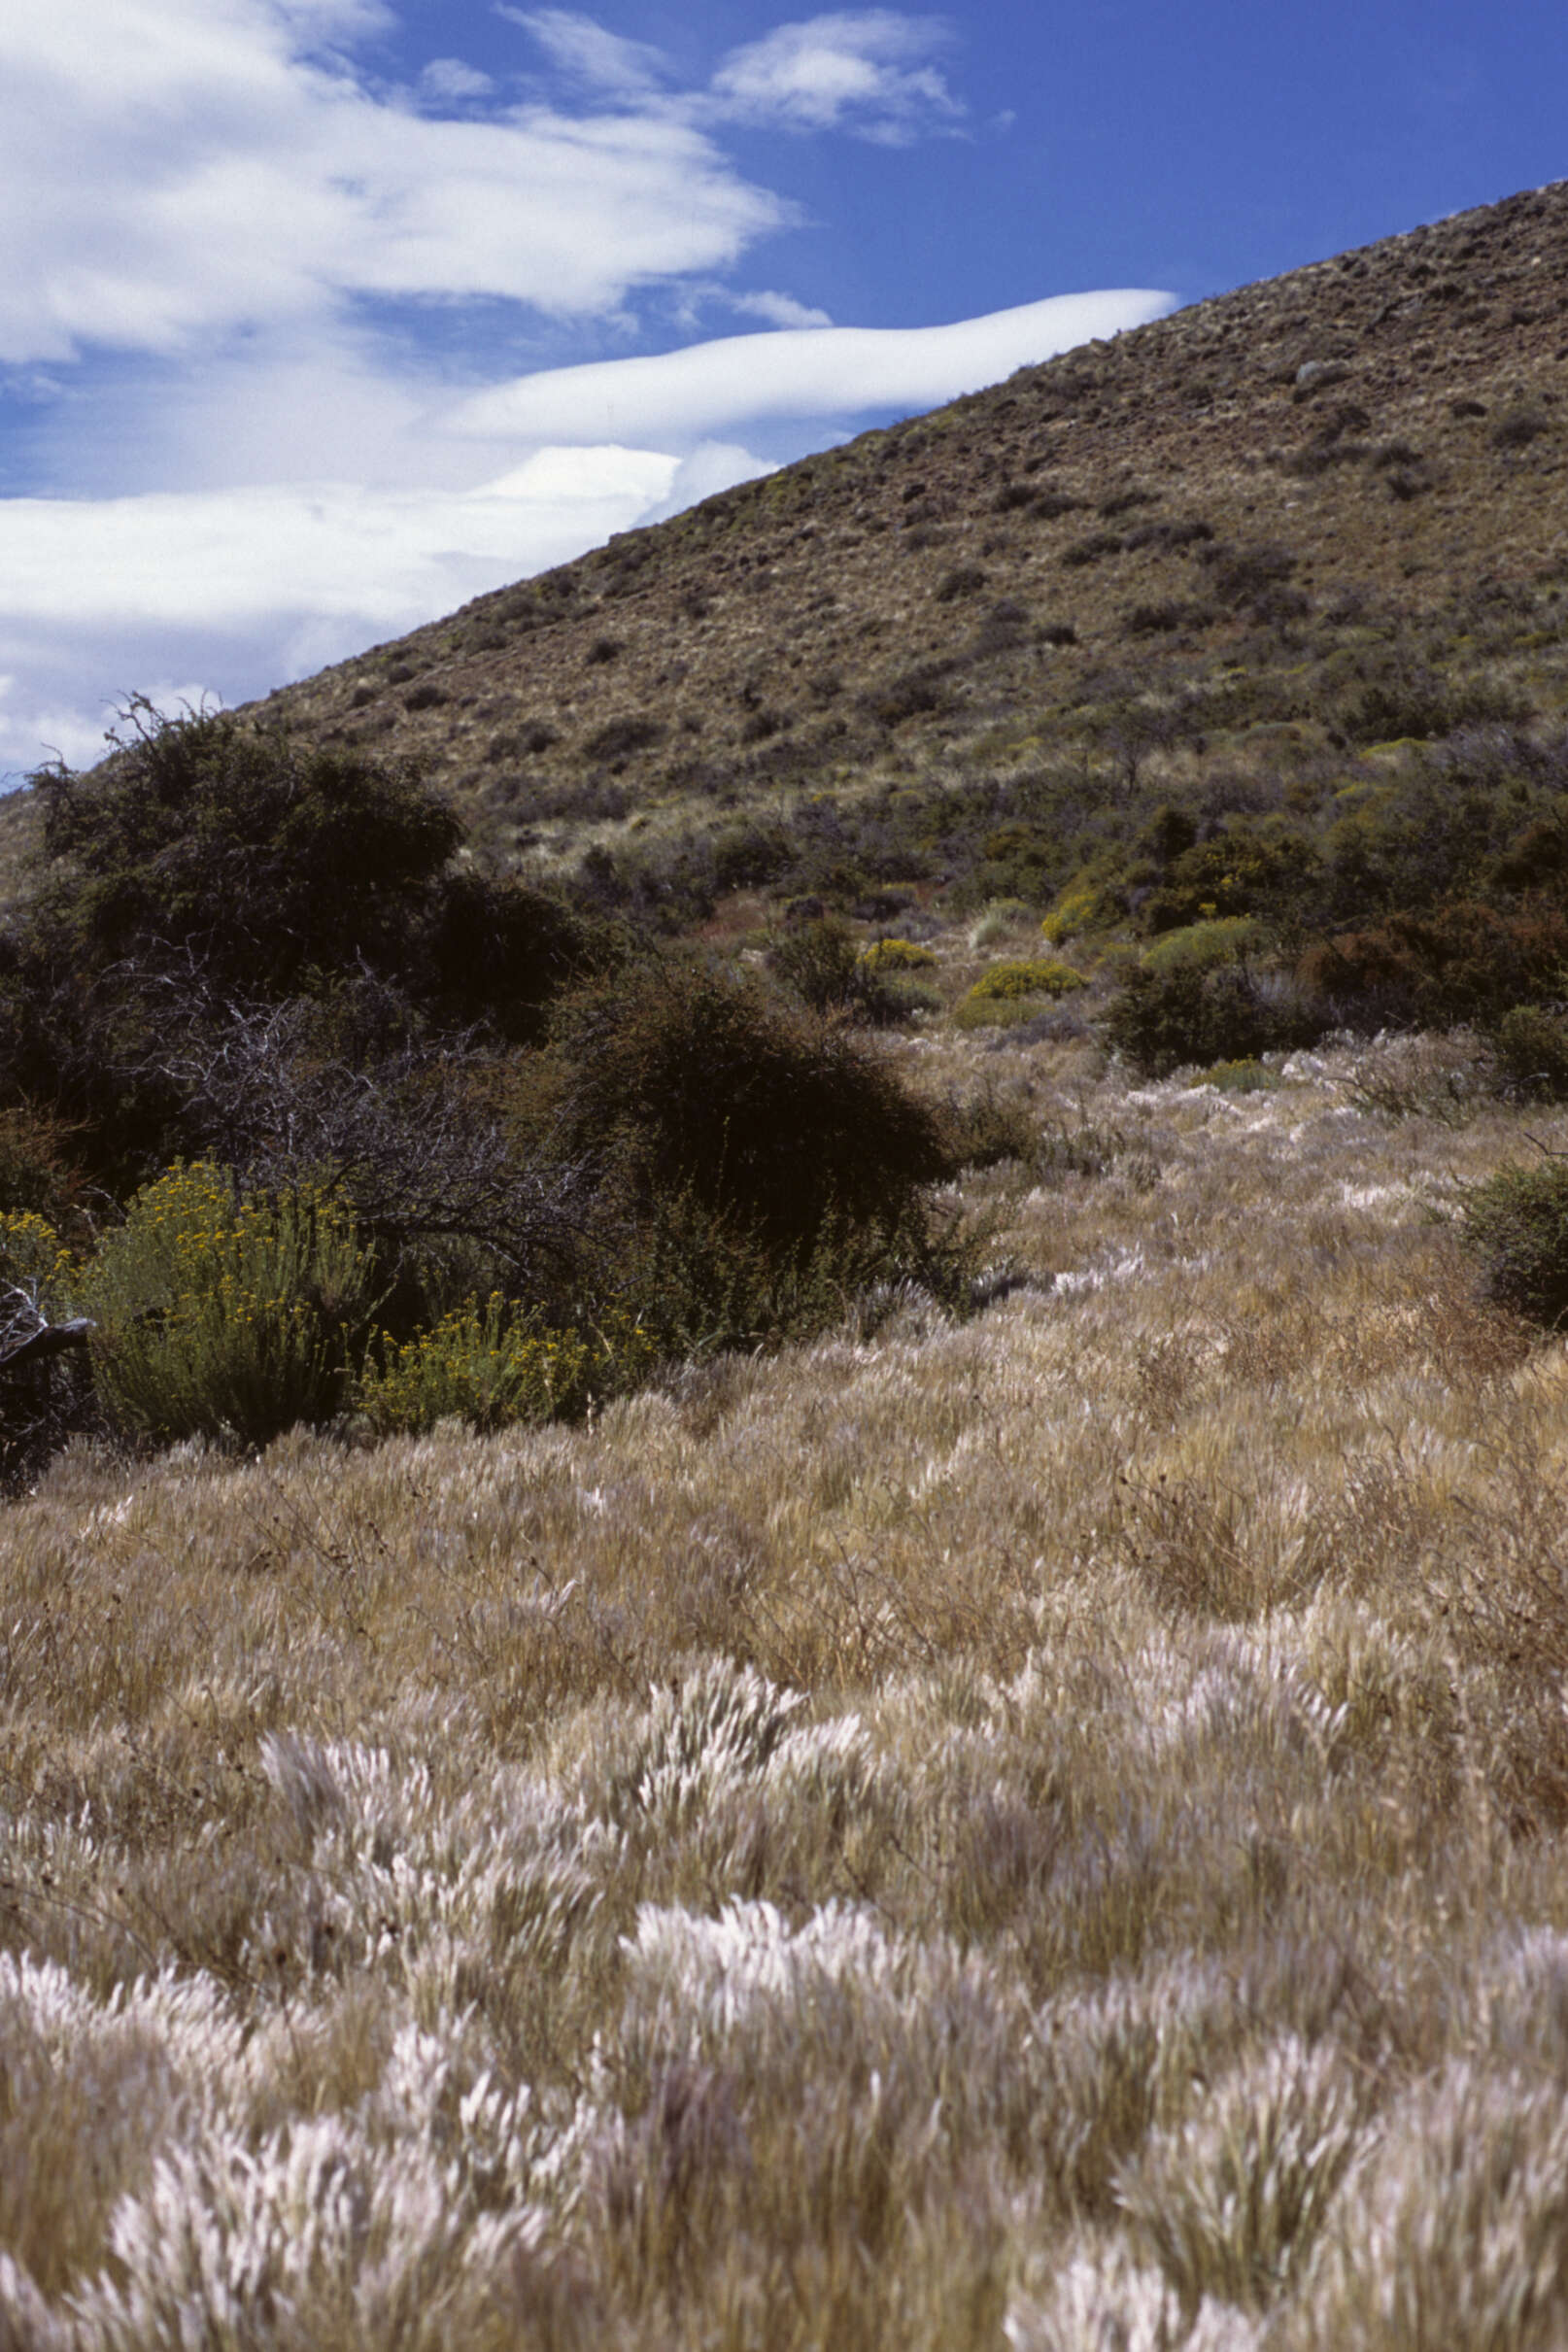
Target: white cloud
[
  {"x": 232, "y": 560},
  {"x": 810, "y": 372},
  {"x": 240, "y": 178},
  {"x": 779, "y": 310},
  {"x": 582, "y": 48},
  {"x": 867, "y": 72},
  {"x": 450, "y": 78}
]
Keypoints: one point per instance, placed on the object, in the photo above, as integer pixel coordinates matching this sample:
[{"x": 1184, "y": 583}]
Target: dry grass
[{"x": 1041, "y": 1832}]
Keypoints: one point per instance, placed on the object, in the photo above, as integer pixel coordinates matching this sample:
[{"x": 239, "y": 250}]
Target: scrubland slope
[
  {"x": 1002, "y": 1831},
  {"x": 1034, "y": 1816}
]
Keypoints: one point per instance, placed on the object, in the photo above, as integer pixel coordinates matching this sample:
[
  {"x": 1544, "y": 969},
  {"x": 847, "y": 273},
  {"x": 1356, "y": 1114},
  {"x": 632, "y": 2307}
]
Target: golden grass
[{"x": 1038, "y": 1832}]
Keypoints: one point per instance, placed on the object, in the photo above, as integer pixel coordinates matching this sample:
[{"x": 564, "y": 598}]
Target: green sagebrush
[
  {"x": 1516, "y": 1225},
  {"x": 490, "y": 1364},
  {"x": 223, "y": 1314}
]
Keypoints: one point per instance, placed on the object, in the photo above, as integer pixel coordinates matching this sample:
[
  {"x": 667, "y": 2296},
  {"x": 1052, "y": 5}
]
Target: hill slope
[{"x": 1370, "y": 448}]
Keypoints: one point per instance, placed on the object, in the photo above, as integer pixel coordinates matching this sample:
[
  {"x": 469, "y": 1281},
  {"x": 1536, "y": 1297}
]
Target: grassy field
[{"x": 1038, "y": 1831}]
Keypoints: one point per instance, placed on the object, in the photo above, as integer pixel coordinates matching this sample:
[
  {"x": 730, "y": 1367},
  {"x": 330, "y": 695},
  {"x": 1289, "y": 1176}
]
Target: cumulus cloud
[
  {"x": 867, "y": 72},
  {"x": 240, "y": 177},
  {"x": 809, "y": 372}
]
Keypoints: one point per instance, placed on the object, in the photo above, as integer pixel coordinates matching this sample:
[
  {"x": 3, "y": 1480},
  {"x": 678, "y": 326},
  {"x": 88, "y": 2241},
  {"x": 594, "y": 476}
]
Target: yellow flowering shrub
[
  {"x": 33, "y": 1259},
  {"x": 491, "y": 1364},
  {"x": 896, "y": 955},
  {"x": 220, "y": 1313},
  {"x": 1024, "y": 976},
  {"x": 1085, "y": 904}
]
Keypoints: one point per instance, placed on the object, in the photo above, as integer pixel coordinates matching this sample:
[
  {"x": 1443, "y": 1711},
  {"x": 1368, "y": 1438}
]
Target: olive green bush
[
  {"x": 1515, "y": 1224},
  {"x": 1024, "y": 976},
  {"x": 758, "y": 1167},
  {"x": 1163, "y": 1019},
  {"x": 1531, "y": 1045},
  {"x": 685, "y": 1077}
]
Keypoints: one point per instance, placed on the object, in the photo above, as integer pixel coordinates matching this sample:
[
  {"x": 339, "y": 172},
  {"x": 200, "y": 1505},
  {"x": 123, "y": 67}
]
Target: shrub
[
  {"x": 1463, "y": 962},
  {"x": 1024, "y": 976},
  {"x": 1202, "y": 946},
  {"x": 997, "y": 919},
  {"x": 820, "y": 962},
  {"x": 619, "y": 739},
  {"x": 43, "y": 1402},
  {"x": 1164, "y": 1018},
  {"x": 35, "y": 1169},
  {"x": 1246, "y": 1077},
  {"x": 1087, "y": 903},
  {"x": 255, "y": 856},
  {"x": 226, "y": 1316},
  {"x": 1531, "y": 1043},
  {"x": 898, "y": 955},
  {"x": 495, "y": 1364},
  {"x": 686, "y": 1079},
  {"x": 1516, "y": 1225},
  {"x": 964, "y": 580}
]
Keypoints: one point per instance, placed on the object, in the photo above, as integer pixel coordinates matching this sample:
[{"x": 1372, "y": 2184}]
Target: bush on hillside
[
  {"x": 1462, "y": 962},
  {"x": 494, "y": 1364},
  {"x": 1516, "y": 1223},
  {"x": 226, "y": 1316},
  {"x": 1023, "y": 977},
  {"x": 1164, "y": 1020},
  {"x": 42, "y": 1401},
  {"x": 259, "y": 859},
  {"x": 822, "y": 962},
  {"x": 898, "y": 955},
  {"x": 1531, "y": 1045},
  {"x": 1202, "y": 946},
  {"x": 684, "y": 1078},
  {"x": 211, "y": 870}
]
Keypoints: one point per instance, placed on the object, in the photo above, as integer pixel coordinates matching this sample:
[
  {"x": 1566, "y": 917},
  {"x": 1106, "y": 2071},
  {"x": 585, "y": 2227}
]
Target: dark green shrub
[
  {"x": 499, "y": 951},
  {"x": 1163, "y": 1019},
  {"x": 212, "y": 871},
  {"x": 822, "y": 962},
  {"x": 1516, "y": 1225},
  {"x": 1531, "y": 1044},
  {"x": 912, "y": 693},
  {"x": 687, "y": 1080},
  {"x": 1247, "y": 869},
  {"x": 619, "y": 739},
  {"x": 1239, "y": 576},
  {"x": 256, "y": 858},
  {"x": 36, "y": 1168}
]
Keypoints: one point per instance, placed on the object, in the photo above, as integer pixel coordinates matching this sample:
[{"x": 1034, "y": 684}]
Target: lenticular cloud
[{"x": 832, "y": 371}]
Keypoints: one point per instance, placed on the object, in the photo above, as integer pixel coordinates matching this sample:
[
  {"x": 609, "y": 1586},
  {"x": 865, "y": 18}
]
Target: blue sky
[{"x": 318, "y": 317}]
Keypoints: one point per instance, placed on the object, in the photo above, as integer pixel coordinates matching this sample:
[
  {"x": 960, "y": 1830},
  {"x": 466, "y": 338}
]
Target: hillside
[
  {"x": 1349, "y": 471},
  {"x": 858, "y": 1640}
]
